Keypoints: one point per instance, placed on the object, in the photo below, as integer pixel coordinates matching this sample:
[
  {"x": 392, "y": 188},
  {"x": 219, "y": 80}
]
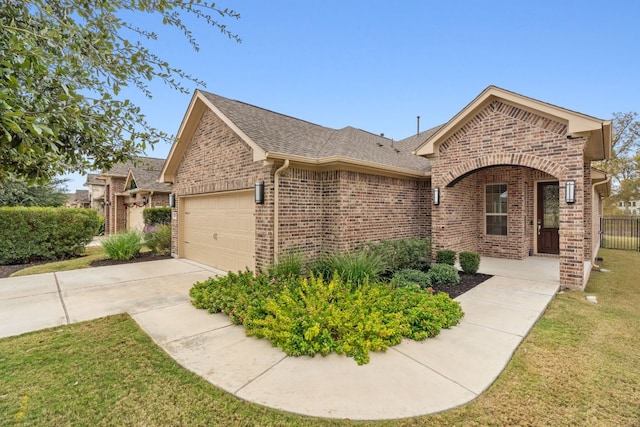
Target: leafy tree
[
  {"x": 15, "y": 192},
  {"x": 624, "y": 164},
  {"x": 63, "y": 64}
]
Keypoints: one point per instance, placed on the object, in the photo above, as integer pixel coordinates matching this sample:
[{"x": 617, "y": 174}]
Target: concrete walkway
[{"x": 413, "y": 378}]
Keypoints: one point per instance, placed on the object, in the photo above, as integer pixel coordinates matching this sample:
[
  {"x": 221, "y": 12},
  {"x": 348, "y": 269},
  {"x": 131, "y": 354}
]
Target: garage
[{"x": 219, "y": 230}]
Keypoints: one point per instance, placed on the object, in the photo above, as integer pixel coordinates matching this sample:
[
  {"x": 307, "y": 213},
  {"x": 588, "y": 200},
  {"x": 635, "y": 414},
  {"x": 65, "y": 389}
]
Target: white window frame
[{"x": 495, "y": 214}]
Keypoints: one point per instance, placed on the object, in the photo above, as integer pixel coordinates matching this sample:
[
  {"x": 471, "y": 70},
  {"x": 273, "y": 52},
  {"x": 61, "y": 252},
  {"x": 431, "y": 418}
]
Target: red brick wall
[
  {"x": 503, "y": 143},
  {"x": 338, "y": 210}
]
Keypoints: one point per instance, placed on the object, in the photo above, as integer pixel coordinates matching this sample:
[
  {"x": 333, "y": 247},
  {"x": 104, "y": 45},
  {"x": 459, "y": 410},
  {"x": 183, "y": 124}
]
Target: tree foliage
[
  {"x": 624, "y": 164},
  {"x": 63, "y": 64},
  {"x": 14, "y": 192}
]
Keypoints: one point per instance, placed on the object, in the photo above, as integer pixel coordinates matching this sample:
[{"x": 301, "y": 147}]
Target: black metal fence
[{"x": 620, "y": 233}]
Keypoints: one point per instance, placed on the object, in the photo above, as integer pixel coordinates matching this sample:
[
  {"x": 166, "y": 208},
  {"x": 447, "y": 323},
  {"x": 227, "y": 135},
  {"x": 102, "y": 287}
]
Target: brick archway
[{"x": 457, "y": 172}]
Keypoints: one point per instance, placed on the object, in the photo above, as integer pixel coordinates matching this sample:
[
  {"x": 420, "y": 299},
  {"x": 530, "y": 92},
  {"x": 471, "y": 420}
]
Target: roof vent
[{"x": 380, "y": 144}]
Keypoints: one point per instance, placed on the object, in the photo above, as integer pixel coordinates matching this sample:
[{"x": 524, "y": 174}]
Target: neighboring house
[
  {"x": 129, "y": 188},
  {"x": 96, "y": 192},
  {"x": 508, "y": 176},
  {"x": 631, "y": 207},
  {"x": 79, "y": 199}
]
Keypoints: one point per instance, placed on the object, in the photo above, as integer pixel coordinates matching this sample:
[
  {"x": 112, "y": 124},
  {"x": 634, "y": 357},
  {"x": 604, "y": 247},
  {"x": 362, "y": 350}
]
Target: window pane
[
  {"x": 497, "y": 225},
  {"x": 551, "y": 206}
]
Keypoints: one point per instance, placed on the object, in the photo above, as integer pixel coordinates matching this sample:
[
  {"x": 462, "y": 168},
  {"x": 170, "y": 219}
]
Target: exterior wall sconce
[
  {"x": 436, "y": 196},
  {"x": 172, "y": 200},
  {"x": 144, "y": 200},
  {"x": 259, "y": 192},
  {"x": 570, "y": 191}
]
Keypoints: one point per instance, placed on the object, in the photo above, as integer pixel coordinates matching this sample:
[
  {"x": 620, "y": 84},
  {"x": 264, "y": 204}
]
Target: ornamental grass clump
[
  {"x": 289, "y": 264},
  {"x": 355, "y": 267},
  {"x": 125, "y": 245},
  {"x": 309, "y": 316}
]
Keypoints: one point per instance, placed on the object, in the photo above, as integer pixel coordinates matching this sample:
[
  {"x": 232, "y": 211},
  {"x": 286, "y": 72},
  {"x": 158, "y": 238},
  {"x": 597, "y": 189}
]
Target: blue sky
[{"x": 376, "y": 65}]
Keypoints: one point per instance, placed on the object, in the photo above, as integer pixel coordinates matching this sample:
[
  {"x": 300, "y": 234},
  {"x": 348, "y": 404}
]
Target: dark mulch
[
  {"x": 142, "y": 257},
  {"x": 7, "y": 270},
  {"x": 467, "y": 282}
]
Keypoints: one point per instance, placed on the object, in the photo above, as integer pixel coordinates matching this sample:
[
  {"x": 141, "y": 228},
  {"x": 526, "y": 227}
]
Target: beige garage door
[{"x": 219, "y": 230}]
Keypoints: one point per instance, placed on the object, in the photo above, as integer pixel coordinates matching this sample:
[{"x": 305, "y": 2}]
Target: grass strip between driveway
[{"x": 580, "y": 365}]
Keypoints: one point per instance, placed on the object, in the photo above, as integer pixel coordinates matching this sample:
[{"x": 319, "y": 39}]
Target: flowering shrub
[{"x": 307, "y": 316}]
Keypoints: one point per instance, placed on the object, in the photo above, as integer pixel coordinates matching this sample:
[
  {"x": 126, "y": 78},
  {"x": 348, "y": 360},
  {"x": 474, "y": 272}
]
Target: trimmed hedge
[
  {"x": 469, "y": 262},
  {"x": 157, "y": 216},
  {"x": 28, "y": 234},
  {"x": 446, "y": 256}
]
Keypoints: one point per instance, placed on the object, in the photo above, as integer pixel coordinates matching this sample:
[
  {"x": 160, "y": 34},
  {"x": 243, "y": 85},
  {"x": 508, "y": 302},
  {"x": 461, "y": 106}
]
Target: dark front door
[{"x": 548, "y": 218}]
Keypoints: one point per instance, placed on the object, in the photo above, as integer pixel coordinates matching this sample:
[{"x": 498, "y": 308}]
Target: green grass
[
  {"x": 580, "y": 365},
  {"x": 94, "y": 253}
]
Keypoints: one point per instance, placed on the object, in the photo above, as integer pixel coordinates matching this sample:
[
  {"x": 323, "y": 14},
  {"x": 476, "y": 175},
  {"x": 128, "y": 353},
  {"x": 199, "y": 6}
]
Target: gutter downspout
[
  {"x": 276, "y": 208},
  {"x": 593, "y": 188}
]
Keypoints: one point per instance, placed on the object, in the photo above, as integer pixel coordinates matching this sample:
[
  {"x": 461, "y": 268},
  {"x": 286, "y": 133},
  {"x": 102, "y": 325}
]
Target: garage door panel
[{"x": 220, "y": 230}]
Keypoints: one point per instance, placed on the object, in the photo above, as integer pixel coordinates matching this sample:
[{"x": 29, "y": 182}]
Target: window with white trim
[{"x": 496, "y": 209}]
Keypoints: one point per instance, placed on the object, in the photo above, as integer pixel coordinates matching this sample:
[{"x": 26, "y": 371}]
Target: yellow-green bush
[{"x": 307, "y": 316}]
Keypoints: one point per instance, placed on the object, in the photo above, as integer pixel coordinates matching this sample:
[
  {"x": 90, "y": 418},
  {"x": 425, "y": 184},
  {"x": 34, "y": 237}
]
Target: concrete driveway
[{"x": 413, "y": 378}]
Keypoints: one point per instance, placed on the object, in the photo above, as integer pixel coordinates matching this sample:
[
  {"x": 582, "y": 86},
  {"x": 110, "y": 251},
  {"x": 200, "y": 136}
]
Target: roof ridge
[{"x": 267, "y": 110}]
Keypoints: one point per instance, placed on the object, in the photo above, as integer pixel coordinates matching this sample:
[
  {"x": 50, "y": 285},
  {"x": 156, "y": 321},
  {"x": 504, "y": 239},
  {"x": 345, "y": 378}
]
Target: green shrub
[
  {"x": 123, "y": 246},
  {"x": 156, "y": 216},
  {"x": 469, "y": 262},
  {"x": 28, "y": 234},
  {"x": 158, "y": 239},
  {"x": 289, "y": 264},
  {"x": 400, "y": 254},
  {"x": 408, "y": 277},
  {"x": 310, "y": 316},
  {"x": 444, "y": 274},
  {"x": 446, "y": 256},
  {"x": 355, "y": 267}
]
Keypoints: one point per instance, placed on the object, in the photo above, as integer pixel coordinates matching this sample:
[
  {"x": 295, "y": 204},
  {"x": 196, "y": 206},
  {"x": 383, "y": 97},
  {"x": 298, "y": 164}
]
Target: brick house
[
  {"x": 129, "y": 188},
  {"x": 508, "y": 176}
]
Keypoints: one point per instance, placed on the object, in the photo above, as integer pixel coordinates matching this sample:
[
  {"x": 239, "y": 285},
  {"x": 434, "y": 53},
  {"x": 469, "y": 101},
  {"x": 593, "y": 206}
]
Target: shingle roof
[
  {"x": 81, "y": 196},
  {"x": 413, "y": 142},
  {"x": 278, "y": 133},
  {"x": 92, "y": 179},
  {"x": 145, "y": 170}
]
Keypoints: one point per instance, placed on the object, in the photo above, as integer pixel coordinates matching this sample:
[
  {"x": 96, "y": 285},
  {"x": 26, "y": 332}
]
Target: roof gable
[
  {"x": 598, "y": 131},
  {"x": 145, "y": 175}
]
